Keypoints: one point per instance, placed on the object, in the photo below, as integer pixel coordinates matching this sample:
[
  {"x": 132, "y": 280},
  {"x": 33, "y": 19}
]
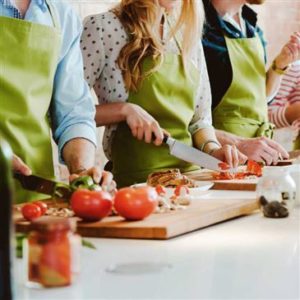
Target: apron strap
[
  {"x": 175, "y": 36},
  {"x": 53, "y": 13}
]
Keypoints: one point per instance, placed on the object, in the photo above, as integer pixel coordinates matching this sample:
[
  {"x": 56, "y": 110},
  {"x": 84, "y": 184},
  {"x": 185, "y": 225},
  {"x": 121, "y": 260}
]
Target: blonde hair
[{"x": 141, "y": 21}]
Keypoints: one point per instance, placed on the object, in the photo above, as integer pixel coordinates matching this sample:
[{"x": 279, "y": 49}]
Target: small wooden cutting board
[
  {"x": 200, "y": 214},
  {"x": 229, "y": 185}
]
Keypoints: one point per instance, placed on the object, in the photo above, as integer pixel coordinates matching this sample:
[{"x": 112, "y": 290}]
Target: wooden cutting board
[
  {"x": 200, "y": 214},
  {"x": 229, "y": 185}
]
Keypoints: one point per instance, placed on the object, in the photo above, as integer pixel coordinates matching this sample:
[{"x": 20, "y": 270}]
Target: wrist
[
  {"x": 125, "y": 110},
  {"x": 279, "y": 67},
  {"x": 210, "y": 145}
]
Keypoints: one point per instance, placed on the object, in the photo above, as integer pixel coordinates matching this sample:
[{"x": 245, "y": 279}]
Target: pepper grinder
[{"x": 6, "y": 227}]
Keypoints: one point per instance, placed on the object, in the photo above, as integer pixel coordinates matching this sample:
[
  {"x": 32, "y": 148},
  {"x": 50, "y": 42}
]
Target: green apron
[
  {"x": 28, "y": 60},
  {"x": 297, "y": 143},
  {"x": 168, "y": 95},
  {"x": 243, "y": 110}
]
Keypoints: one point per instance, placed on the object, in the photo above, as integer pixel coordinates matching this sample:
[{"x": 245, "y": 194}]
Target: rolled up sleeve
[
  {"x": 72, "y": 109},
  {"x": 202, "y": 117}
]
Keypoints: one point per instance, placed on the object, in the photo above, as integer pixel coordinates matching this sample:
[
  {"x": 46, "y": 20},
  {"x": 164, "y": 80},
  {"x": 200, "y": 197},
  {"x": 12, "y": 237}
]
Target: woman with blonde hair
[{"x": 146, "y": 65}]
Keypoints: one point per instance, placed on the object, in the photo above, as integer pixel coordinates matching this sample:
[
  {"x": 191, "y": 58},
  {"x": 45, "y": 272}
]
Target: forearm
[
  {"x": 110, "y": 113},
  {"x": 273, "y": 82},
  {"x": 292, "y": 113},
  {"x": 204, "y": 135},
  {"x": 79, "y": 155}
]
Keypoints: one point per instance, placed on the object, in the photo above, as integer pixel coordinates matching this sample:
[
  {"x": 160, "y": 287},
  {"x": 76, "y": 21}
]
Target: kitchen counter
[{"x": 250, "y": 257}]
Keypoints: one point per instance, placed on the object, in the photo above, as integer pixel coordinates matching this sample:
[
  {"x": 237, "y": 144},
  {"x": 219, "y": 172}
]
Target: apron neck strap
[
  {"x": 175, "y": 36},
  {"x": 53, "y": 13}
]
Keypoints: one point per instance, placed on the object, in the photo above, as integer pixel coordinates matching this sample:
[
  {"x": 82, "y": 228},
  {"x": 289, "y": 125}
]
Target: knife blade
[
  {"x": 191, "y": 154},
  {"x": 44, "y": 186}
]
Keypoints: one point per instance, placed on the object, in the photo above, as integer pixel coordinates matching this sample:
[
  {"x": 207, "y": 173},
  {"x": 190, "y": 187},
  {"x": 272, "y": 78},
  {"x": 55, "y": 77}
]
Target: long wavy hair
[{"x": 141, "y": 19}]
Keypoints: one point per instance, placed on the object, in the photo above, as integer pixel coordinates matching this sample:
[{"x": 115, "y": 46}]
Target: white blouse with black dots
[{"x": 103, "y": 38}]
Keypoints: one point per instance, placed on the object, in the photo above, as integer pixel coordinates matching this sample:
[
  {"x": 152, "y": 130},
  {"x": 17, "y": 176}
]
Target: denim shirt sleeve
[{"x": 72, "y": 108}]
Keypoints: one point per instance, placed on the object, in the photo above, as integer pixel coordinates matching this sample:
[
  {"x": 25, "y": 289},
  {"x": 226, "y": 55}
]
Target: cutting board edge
[{"x": 238, "y": 212}]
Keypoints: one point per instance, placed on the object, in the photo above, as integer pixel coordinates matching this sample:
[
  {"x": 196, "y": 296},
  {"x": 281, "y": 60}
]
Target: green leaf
[
  {"x": 19, "y": 244},
  {"x": 88, "y": 244}
]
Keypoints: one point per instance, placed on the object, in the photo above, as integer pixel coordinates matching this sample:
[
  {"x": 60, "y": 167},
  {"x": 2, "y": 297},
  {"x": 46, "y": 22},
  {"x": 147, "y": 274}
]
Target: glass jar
[
  {"x": 51, "y": 252},
  {"x": 276, "y": 191}
]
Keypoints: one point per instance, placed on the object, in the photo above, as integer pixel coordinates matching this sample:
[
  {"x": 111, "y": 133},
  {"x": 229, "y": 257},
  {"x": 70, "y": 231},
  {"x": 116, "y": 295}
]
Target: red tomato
[
  {"x": 254, "y": 168},
  {"x": 181, "y": 190},
  {"x": 223, "y": 166},
  {"x": 42, "y": 205},
  {"x": 160, "y": 189},
  {"x": 55, "y": 263},
  {"x": 136, "y": 203},
  {"x": 31, "y": 211},
  {"x": 91, "y": 205}
]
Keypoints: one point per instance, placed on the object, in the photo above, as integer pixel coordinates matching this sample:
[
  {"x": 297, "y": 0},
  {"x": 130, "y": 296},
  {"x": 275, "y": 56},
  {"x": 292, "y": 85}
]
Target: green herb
[{"x": 88, "y": 244}]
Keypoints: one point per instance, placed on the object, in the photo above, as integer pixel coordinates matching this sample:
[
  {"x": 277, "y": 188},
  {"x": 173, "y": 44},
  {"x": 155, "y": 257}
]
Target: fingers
[
  {"x": 107, "y": 179},
  {"x": 242, "y": 158},
  {"x": 235, "y": 156},
  {"x": 278, "y": 148},
  {"x": 99, "y": 176},
  {"x": 159, "y": 134},
  {"x": 268, "y": 159},
  {"x": 228, "y": 155},
  {"x": 20, "y": 167},
  {"x": 73, "y": 177}
]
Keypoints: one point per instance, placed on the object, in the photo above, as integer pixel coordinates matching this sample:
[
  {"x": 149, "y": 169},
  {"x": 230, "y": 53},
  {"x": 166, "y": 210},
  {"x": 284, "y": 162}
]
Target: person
[
  {"x": 150, "y": 77},
  {"x": 284, "y": 110},
  {"x": 235, "y": 53},
  {"x": 42, "y": 83}
]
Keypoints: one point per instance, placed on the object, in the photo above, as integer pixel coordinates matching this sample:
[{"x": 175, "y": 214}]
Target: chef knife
[
  {"x": 44, "y": 186},
  {"x": 191, "y": 154}
]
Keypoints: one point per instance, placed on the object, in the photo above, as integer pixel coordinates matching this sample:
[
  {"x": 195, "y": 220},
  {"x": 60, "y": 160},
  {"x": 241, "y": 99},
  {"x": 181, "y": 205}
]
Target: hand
[
  {"x": 143, "y": 126},
  {"x": 99, "y": 176},
  {"x": 290, "y": 52},
  {"x": 231, "y": 155},
  {"x": 262, "y": 149},
  {"x": 19, "y": 166}
]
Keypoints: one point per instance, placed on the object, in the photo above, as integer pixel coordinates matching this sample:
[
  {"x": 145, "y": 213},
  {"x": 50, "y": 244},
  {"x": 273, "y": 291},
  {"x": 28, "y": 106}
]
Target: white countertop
[{"x": 247, "y": 258}]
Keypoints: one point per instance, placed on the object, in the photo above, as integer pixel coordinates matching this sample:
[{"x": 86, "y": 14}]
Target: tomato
[
  {"x": 254, "y": 168},
  {"x": 42, "y": 205},
  {"x": 160, "y": 189},
  {"x": 91, "y": 205},
  {"x": 136, "y": 203},
  {"x": 181, "y": 190},
  {"x": 31, "y": 211},
  {"x": 223, "y": 166},
  {"x": 55, "y": 263}
]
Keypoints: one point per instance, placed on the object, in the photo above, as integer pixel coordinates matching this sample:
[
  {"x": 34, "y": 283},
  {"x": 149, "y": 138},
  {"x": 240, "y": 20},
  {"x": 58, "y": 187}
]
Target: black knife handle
[{"x": 165, "y": 139}]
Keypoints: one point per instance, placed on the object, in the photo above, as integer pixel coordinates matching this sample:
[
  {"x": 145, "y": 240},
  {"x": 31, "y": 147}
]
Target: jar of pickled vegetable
[
  {"x": 50, "y": 252},
  {"x": 276, "y": 191}
]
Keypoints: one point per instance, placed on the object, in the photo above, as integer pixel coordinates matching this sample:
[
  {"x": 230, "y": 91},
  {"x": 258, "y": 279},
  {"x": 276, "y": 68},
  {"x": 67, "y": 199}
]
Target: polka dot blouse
[{"x": 102, "y": 40}]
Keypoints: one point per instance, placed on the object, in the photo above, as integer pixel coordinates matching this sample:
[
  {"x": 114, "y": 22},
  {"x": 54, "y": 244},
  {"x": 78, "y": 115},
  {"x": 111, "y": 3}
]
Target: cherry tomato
[
  {"x": 31, "y": 211},
  {"x": 160, "y": 189},
  {"x": 91, "y": 205},
  {"x": 136, "y": 203},
  {"x": 181, "y": 190},
  {"x": 42, "y": 205}
]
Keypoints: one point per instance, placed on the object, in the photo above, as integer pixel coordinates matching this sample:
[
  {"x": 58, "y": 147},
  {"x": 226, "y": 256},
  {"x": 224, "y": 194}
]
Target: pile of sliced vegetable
[{"x": 253, "y": 169}]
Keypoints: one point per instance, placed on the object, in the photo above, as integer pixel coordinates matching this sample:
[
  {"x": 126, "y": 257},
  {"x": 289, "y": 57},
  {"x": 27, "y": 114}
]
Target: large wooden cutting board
[{"x": 200, "y": 214}]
